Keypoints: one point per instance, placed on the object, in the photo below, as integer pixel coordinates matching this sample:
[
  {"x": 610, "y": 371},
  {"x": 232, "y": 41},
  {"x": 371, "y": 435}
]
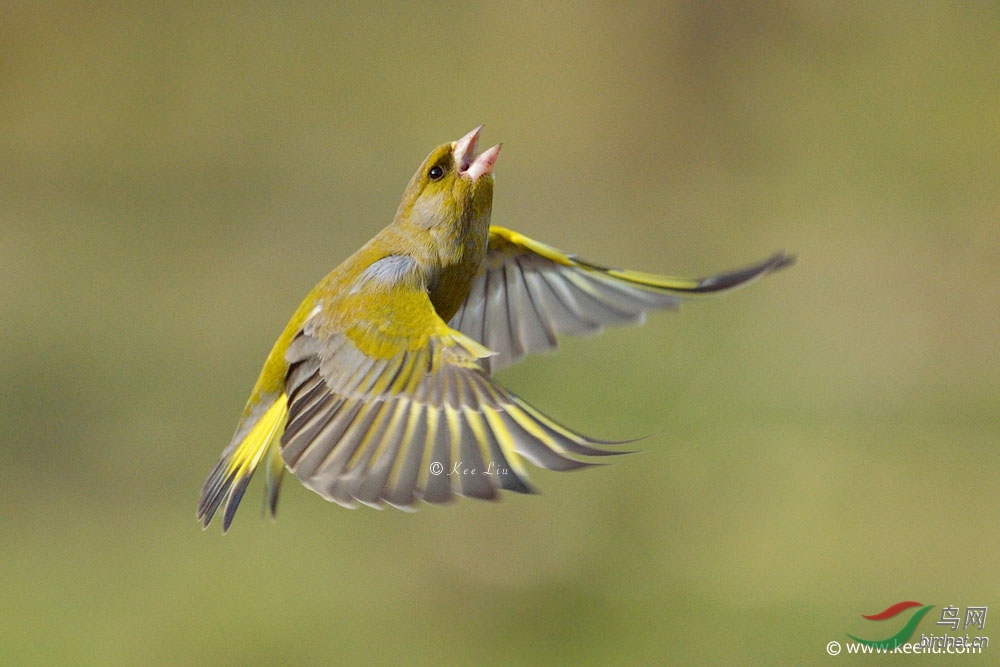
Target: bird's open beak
[{"x": 470, "y": 165}]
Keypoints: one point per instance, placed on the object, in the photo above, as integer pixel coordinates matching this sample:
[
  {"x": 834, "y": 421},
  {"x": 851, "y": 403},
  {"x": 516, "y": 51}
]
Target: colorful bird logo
[{"x": 905, "y": 632}]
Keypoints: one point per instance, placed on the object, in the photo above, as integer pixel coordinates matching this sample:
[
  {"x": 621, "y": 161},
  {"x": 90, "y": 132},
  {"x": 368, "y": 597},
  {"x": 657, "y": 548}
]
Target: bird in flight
[{"x": 381, "y": 386}]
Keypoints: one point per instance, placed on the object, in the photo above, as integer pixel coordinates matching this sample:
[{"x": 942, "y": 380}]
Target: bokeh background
[{"x": 175, "y": 177}]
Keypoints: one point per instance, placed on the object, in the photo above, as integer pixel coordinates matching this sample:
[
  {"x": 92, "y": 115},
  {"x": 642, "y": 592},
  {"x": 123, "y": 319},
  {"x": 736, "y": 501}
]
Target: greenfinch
[{"x": 380, "y": 390}]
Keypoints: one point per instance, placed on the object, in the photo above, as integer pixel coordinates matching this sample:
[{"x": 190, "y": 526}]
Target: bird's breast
[{"x": 450, "y": 286}]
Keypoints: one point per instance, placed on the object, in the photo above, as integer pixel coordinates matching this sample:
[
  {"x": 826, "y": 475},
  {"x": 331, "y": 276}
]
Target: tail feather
[
  {"x": 258, "y": 433},
  {"x": 274, "y": 472}
]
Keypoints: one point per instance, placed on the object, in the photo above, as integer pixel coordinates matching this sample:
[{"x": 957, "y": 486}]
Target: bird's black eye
[{"x": 435, "y": 173}]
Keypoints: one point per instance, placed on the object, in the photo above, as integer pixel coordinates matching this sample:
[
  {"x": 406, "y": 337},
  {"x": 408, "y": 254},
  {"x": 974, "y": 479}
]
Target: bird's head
[{"x": 453, "y": 188}]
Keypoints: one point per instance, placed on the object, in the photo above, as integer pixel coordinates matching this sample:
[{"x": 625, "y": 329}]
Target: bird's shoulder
[{"x": 377, "y": 299}]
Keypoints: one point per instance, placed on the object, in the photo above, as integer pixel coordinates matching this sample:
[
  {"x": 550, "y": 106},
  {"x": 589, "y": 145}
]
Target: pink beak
[{"x": 470, "y": 165}]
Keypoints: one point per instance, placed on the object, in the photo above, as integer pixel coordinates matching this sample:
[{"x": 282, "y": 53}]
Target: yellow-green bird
[{"x": 380, "y": 388}]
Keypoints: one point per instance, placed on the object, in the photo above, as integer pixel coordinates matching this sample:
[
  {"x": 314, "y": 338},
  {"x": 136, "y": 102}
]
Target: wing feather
[
  {"x": 380, "y": 418},
  {"x": 528, "y": 293}
]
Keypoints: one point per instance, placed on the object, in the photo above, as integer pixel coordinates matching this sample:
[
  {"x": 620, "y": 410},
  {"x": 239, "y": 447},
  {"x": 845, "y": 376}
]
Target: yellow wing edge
[{"x": 509, "y": 242}]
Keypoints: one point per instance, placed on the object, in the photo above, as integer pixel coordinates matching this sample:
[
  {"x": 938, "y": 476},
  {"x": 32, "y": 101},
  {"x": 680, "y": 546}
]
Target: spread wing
[
  {"x": 398, "y": 407},
  {"x": 529, "y": 293}
]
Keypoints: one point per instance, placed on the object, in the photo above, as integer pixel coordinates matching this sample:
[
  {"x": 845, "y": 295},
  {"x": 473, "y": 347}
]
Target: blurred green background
[{"x": 175, "y": 177}]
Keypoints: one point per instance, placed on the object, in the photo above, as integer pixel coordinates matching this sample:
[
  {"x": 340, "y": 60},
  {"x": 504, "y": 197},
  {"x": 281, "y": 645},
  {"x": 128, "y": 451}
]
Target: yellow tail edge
[{"x": 256, "y": 436}]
